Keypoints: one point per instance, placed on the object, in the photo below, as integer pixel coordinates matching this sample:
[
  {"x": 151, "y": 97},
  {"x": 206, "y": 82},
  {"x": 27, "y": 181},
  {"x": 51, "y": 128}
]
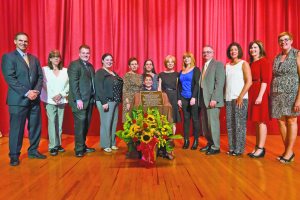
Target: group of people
[
  {"x": 248, "y": 90},
  {"x": 254, "y": 91}
]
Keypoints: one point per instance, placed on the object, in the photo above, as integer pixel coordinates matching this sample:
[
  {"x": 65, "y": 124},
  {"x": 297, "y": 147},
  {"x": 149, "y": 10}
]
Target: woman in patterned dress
[
  {"x": 285, "y": 94},
  {"x": 132, "y": 84},
  {"x": 259, "y": 95}
]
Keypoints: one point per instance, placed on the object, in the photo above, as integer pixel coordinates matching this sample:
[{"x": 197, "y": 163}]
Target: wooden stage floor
[{"x": 192, "y": 175}]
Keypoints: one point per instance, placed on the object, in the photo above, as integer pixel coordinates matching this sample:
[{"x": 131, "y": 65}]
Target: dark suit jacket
[
  {"x": 80, "y": 81},
  {"x": 213, "y": 83},
  {"x": 21, "y": 78}
]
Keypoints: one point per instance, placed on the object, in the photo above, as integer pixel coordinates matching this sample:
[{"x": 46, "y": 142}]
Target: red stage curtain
[{"x": 142, "y": 28}]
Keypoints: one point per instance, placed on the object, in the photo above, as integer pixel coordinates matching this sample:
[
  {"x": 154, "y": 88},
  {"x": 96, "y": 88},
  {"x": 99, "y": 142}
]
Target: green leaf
[
  {"x": 169, "y": 148},
  {"x": 175, "y": 137}
]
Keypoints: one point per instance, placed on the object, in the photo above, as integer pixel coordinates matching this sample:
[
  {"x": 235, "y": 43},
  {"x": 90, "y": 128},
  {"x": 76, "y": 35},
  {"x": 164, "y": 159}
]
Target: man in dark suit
[
  {"x": 211, "y": 100},
  {"x": 23, "y": 74},
  {"x": 81, "y": 97}
]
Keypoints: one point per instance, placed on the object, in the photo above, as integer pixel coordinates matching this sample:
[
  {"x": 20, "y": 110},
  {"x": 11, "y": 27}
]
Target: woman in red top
[{"x": 259, "y": 95}]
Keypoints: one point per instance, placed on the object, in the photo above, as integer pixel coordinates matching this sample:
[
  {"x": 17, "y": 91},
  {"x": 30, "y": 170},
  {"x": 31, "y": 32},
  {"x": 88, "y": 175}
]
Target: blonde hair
[{"x": 168, "y": 57}]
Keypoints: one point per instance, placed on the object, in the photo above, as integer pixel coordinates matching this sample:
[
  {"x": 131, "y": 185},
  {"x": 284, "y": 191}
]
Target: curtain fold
[{"x": 144, "y": 29}]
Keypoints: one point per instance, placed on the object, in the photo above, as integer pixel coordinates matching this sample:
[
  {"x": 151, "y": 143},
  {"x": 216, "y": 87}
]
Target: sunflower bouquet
[{"x": 145, "y": 131}]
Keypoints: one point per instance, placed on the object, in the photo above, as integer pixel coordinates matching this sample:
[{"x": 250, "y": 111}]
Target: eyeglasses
[
  {"x": 206, "y": 52},
  {"x": 283, "y": 40},
  {"x": 55, "y": 57}
]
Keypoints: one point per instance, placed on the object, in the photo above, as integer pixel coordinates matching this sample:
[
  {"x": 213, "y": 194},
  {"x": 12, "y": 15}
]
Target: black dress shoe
[
  {"x": 89, "y": 150},
  {"x": 212, "y": 151},
  {"x": 205, "y": 149},
  {"x": 287, "y": 160},
  {"x": 251, "y": 153},
  {"x": 261, "y": 155},
  {"x": 60, "y": 149},
  {"x": 36, "y": 155},
  {"x": 186, "y": 144},
  {"x": 79, "y": 154},
  {"x": 195, "y": 144},
  {"x": 14, "y": 161},
  {"x": 230, "y": 152},
  {"x": 53, "y": 152}
]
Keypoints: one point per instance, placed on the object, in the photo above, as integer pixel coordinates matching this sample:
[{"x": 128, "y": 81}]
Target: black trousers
[
  {"x": 82, "y": 120},
  {"x": 190, "y": 112},
  {"x": 18, "y": 116}
]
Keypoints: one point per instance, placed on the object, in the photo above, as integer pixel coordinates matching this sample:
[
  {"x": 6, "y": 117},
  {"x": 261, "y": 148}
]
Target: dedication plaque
[{"x": 151, "y": 98}]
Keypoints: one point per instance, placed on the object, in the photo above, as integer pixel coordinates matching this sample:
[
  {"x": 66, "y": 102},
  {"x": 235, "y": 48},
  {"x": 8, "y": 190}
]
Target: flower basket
[{"x": 147, "y": 131}]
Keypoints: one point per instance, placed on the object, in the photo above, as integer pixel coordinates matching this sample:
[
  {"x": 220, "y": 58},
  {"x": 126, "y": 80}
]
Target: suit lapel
[
  {"x": 211, "y": 63},
  {"x": 21, "y": 59},
  {"x": 210, "y": 66},
  {"x": 30, "y": 60}
]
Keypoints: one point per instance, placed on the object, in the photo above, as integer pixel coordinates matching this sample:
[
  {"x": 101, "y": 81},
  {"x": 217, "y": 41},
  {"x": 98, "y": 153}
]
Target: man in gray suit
[
  {"x": 82, "y": 97},
  {"x": 24, "y": 76},
  {"x": 211, "y": 100}
]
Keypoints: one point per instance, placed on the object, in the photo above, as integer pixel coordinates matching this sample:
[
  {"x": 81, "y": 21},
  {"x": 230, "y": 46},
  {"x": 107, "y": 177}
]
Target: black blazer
[
  {"x": 21, "y": 78},
  {"x": 195, "y": 84},
  {"x": 104, "y": 83},
  {"x": 80, "y": 81}
]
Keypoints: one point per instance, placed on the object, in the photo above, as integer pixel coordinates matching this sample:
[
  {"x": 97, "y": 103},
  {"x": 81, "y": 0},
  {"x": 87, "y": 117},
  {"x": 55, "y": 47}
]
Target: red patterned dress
[{"x": 261, "y": 71}]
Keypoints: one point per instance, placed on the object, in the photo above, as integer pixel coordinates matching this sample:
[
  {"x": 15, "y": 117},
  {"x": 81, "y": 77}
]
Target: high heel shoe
[
  {"x": 195, "y": 144},
  {"x": 261, "y": 155},
  {"x": 186, "y": 144},
  {"x": 279, "y": 157},
  {"x": 286, "y": 161},
  {"x": 251, "y": 153}
]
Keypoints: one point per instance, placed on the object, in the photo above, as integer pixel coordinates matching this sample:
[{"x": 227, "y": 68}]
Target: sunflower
[
  {"x": 134, "y": 129},
  {"x": 152, "y": 125},
  {"x": 150, "y": 118},
  {"x": 164, "y": 131},
  {"x": 152, "y": 131},
  {"x": 146, "y": 137}
]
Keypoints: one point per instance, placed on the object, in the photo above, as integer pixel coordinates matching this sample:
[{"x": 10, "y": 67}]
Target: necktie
[
  {"x": 203, "y": 74},
  {"x": 26, "y": 59},
  {"x": 90, "y": 74}
]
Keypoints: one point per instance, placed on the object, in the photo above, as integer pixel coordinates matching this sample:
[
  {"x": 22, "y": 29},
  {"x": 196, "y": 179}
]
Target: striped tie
[
  {"x": 26, "y": 59},
  {"x": 203, "y": 74}
]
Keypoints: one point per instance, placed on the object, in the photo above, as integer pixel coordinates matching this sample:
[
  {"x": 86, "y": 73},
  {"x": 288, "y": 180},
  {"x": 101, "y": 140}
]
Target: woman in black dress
[{"x": 168, "y": 84}]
